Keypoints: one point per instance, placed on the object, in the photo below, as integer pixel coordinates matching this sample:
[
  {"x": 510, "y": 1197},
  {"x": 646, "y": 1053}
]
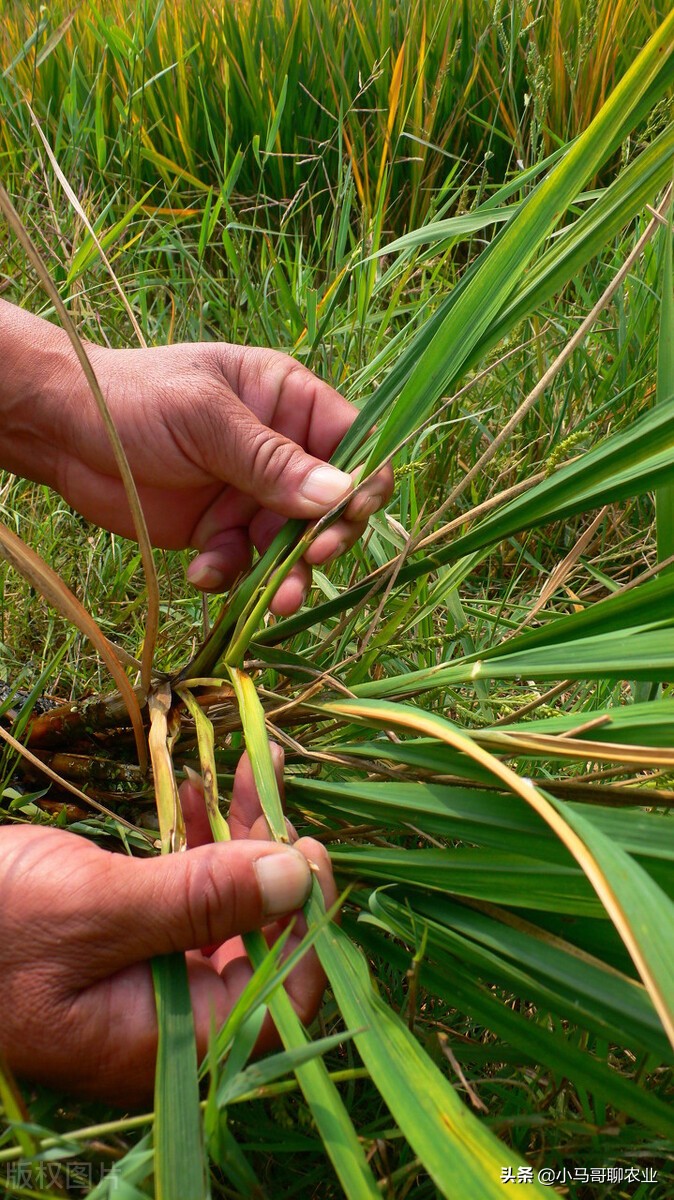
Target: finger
[
  {"x": 286, "y": 395},
  {"x": 334, "y": 541},
  {"x": 193, "y": 804},
  {"x": 116, "y": 1017},
  {"x": 246, "y": 808},
  {"x": 260, "y": 831},
  {"x": 371, "y": 497},
  {"x": 226, "y": 556},
  {"x": 306, "y": 983},
  {"x": 293, "y": 591},
  {"x": 319, "y": 860},
  {"x": 263, "y": 463},
  {"x": 187, "y": 901}
]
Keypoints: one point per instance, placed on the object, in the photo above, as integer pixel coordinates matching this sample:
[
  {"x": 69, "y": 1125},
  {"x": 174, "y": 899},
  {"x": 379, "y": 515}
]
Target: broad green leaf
[
  {"x": 642, "y": 725},
  {"x": 552, "y": 974},
  {"x": 645, "y": 654},
  {"x": 479, "y": 874},
  {"x": 487, "y": 818}
]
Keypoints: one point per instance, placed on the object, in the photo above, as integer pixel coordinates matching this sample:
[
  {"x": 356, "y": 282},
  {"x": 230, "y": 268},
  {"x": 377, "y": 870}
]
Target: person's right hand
[
  {"x": 78, "y": 925},
  {"x": 225, "y": 443}
]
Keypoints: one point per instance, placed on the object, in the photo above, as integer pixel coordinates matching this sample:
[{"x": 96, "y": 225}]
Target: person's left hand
[
  {"x": 225, "y": 442},
  {"x": 78, "y": 925}
]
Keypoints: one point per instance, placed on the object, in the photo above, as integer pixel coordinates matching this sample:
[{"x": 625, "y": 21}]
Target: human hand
[
  {"x": 79, "y": 924},
  {"x": 225, "y": 443}
]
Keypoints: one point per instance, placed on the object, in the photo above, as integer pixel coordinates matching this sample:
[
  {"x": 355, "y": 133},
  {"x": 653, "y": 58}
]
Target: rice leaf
[
  {"x": 664, "y": 497},
  {"x": 460, "y": 1154},
  {"x": 180, "y": 1172},
  {"x": 171, "y": 823},
  {"x": 629, "y": 463},
  {"x": 178, "y": 1137},
  {"x": 209, "y": 778},
  {"x": 640, "y": 911},
  {"x": 485, "y": 293},
  {"x": 259, "y": 1074},
  {"x": 257, "y": 745},
  {"x": 532, "y": 1040},
  {"x": 332, "y": 1120}
]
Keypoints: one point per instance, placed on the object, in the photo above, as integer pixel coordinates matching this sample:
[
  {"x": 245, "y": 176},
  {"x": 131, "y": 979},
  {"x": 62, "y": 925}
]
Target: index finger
[
  {"x": 245, "y": 807},
  {"x": 288, "y": 397}
]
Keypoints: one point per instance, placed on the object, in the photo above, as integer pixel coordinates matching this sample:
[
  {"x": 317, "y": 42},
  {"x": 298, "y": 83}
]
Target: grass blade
[
  {"x": 461, "y": 1155},
  {"x": 664, "y": 497},
  {"x": 486, "y": 291},
  {"x": 178, "y": 1138},
  {"x": 332, "y": 1120},
  {"x": 640, "y": 911},
  {"x": 257, "y": 744},
  {"x": 209, "y": 778},
  {"x": 171, "y": 823},
  {"x": 28, "y": 563},
  {"x": 179, "y": 1154}
]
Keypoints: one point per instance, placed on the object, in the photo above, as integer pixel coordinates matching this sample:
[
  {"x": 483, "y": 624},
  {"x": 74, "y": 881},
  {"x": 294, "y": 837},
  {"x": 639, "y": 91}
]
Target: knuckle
[
  {"x": 272, "y": 455},
  {"x": 210, "y": 901},
  {"x": 295, "y": 372}
]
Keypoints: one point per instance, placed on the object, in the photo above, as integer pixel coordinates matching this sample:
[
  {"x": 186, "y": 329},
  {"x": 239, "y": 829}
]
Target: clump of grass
[{"x": 270, "y": 99}]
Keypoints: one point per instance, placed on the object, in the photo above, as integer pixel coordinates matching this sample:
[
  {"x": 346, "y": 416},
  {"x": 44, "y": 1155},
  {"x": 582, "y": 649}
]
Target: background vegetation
[{"x": 274, "y": 173}]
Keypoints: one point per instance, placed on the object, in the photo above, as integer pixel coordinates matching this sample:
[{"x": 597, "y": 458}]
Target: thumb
[
  {"x": 277, "y": 472},
  {"x": 193, "y": 899}
]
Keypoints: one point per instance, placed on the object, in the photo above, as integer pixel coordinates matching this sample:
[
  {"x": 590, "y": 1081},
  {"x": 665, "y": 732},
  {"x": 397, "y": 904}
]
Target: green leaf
[
  {"x": 460, "y": 1154},
  {"x": 328, "y": 1110},
  {"x": 180, "y": 1172},
  {"x": 535, "y": 1040},
  {"x": 664, "y": 498},
  {"x": 505, "y": 261},
  {"x": 639, "y": 909},
  {"x": 269, "y": 1069}
]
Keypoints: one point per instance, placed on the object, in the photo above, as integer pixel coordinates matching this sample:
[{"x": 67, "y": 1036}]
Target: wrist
[{"x": 38, "y": 364}]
